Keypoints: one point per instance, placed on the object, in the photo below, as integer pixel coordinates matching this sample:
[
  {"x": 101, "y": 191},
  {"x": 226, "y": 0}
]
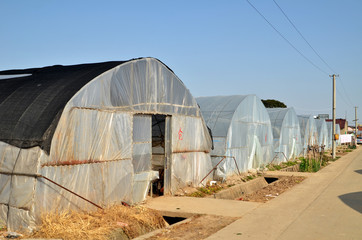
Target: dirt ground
[
  {"x": 273, "y": 190},
  {"x": 200, "y": 227}
]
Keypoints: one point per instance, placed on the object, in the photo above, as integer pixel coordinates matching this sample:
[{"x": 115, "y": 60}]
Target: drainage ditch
[
  {"x": 173, "y": 220},
  {"x": 270, "y": 180},
  {"x": 237, "y": 191}
]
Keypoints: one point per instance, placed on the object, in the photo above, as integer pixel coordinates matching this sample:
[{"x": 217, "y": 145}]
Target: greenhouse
[
  {"x": 103, "y": 131},
  {"x": 286, "y": 134},
  {"x": 241, "y": 130},
  {"x": 308, "y": 132},
  {"x": 323, "y": 134}
]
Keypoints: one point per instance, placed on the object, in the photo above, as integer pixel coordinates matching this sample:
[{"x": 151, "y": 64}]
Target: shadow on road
[
  {"x": 353, "y": 200},
  {"x": 359, "y": 171}
]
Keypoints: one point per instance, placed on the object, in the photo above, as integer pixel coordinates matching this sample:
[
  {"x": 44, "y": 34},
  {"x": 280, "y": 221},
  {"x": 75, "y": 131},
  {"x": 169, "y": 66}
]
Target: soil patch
[
  {"x": 273, "y": 190},
  {"x": 200, "y": 227}
]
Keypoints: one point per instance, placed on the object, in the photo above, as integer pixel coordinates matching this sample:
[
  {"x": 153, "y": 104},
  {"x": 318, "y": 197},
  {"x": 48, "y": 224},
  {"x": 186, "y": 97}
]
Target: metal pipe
[
  {"x": 71, "y": 191},
  {"x": 236, "y": 166},
  {"x": 213, "y": 169},
  {"x": 41, "y": 176}
]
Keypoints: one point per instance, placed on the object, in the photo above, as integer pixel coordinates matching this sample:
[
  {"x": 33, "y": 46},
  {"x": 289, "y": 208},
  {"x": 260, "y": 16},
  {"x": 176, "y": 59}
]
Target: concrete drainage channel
[
  {"x": 172, "y": 221},
  {"x": 249, "y": 187}
]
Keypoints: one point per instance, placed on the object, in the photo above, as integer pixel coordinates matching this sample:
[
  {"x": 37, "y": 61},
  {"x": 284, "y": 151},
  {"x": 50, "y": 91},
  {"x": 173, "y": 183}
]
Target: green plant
[
  {"x": 250, "y": 177},
  {"x": 197, "y": 194},
  {"x": 352, "y": 146},
  {"x": 310, "y": 165},
  {"x": 208, "y": 190},
  {"x": 290, "y": 163}
]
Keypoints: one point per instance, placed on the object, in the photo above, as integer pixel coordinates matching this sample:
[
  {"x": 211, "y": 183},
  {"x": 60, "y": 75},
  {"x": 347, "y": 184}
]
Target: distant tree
[{"x": 271, "y": 103}]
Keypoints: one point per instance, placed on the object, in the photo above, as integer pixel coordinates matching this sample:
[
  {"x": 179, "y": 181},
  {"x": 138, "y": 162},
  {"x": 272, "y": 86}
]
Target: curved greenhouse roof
[
  {"x": 286, "y": 133},
  {"x": 241, "y": 128},
  {"x": 32, "y": 100}
]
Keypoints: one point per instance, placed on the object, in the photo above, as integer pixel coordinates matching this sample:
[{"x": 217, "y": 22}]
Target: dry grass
[{"x": 102, "y": 224}]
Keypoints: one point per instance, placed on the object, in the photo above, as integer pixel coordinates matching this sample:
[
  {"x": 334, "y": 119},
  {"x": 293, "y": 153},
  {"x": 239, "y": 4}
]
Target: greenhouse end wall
[{"x": 241, "y": 131}]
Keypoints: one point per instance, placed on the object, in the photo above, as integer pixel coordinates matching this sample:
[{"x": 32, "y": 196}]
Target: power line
[
  {"x": 271, "y": 25},
  {"x": 296, "y": 29},
  {"x": 344, "y": 100},
  {"x": 345, "y": 92}
]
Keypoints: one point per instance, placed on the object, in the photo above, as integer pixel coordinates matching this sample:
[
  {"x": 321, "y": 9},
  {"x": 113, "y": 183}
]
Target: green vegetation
[
  {"x": 311, "y": 165},
  {"x": 204, "y": 191},
  {"x": 271, "y": 103},
  {"x": 276, "y": 167}
]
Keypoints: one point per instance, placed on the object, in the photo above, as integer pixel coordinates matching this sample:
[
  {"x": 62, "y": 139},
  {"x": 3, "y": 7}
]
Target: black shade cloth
[{"x": 30, "y": 106}]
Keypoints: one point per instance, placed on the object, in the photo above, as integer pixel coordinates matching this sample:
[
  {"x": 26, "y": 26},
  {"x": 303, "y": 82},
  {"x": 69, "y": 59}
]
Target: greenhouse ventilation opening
[
  {"x": 103, "y": 131},
  {"x": 241, "y": 129},
  {"x": 286, "y": 134}
]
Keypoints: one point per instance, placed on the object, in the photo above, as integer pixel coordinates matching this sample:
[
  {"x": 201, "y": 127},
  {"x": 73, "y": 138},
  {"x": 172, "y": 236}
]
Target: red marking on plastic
[{"x": 180, "y": 134}]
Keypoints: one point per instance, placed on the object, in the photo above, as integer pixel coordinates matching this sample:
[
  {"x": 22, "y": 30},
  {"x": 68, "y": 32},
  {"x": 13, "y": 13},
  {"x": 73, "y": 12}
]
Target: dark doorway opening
[{"x": 158, "y": 152}]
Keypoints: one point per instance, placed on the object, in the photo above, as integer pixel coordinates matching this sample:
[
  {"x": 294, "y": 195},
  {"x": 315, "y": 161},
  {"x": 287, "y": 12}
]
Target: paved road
[{"x": 327, "y": 205}]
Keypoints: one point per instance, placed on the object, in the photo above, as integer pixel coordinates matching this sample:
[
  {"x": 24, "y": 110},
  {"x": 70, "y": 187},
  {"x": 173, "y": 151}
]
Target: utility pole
[{"x": 334, "y": 116}]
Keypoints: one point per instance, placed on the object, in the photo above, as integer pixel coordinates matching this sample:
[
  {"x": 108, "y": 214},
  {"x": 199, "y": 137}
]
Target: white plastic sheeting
[
  {"x": 102, "y": 146},
  {"x": 241, "y": 129},
  {"x": 308, "y": 131},
  {"x": 286, "y": 134},
  {"x": 323, "y": 134},
  {"x": 330, "y": 131}
]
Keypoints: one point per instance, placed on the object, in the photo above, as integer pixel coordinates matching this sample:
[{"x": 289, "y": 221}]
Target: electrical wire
[
  {"x": 319, "y": 56},
  {"x": 285, "y": 39},
  {"x": 345, "y": 92},
  {"x": 296, "y": 29}
]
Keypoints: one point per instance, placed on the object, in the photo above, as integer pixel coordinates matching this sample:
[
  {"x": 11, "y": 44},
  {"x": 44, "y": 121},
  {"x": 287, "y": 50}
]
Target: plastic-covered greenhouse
[
  {"x": 308, "y": 131},
  {"x": 323, "y": 134},
  {"x": 103, "y": 131},
  {"x": 241, "y": 129},
  {"x": 286, "y": 134}
]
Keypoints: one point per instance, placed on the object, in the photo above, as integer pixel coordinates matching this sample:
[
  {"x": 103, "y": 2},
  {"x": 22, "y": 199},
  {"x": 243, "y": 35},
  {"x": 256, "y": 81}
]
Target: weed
[
  {"x": 276, "y": 167},
  {"x": 310, "y": 165},
  {"x": 208, "y": 190},
  {"x": 197, "y": 194},
  {"x": 250, "y": 177}
]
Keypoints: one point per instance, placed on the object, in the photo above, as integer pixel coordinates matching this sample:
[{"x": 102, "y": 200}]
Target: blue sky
[{"x": 215, "y": 47}]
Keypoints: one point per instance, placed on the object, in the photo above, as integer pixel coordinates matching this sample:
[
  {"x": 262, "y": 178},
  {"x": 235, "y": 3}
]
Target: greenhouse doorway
[{"x": 161, "y": 149}]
